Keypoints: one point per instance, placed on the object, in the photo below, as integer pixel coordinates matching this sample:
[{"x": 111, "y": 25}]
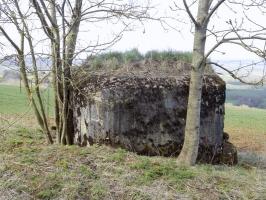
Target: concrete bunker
[{"x": 142, "y": 108}]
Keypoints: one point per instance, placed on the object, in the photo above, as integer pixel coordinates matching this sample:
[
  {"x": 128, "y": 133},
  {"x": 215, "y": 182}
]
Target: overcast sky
[
  {"x": 152, "y": 36},
  {"x": 156, "y": 37}
]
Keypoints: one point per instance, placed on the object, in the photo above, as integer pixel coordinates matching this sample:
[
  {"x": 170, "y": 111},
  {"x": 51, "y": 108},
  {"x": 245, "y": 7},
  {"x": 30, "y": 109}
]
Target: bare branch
[
  {"x": 9, "y": 39},
  {"x": 230, "y": 40},
  {"x": 260, "y": 82},
  {"x": 190, "y": 14},
  {"x": 41, "y": 16},
  {"x": 219, "y": 3},
  {"x": 48, "y": 14}
]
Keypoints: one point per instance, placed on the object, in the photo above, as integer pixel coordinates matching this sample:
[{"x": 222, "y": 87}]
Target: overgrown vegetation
[
  {"x": 114, "y": 60},
  {"x": 171, "y": 56}
]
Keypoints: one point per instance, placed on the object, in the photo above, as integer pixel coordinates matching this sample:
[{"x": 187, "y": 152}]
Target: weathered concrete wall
[{"x": 146, "y": 115}]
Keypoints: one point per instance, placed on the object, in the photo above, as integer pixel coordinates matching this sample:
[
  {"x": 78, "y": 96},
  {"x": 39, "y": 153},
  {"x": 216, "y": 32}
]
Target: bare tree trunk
[
  {"x": 39, "y": 118},
  {"x": 35, "y": 72},
  {"x": 56, "y": 70},
  {"x": 70, "y": 45},
  {"x": 189, "y": 151},
  {"x": 62, "y": 63},
  {"x": 56, "y": 79}
]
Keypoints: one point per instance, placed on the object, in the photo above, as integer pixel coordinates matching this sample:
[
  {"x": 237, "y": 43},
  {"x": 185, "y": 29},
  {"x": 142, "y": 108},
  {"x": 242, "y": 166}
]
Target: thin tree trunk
[
  {"x": 57, "y": 87},
  {"x": 31, "y": 98},
  {"x": 22, "y": 66},
  {"x": 55, "y": 80},
  {"x": 189, "y": 151},
  {"x": 70, "y": 45},
  {"x": 36, "y": 78},
  {"x": 56, "y": 70}
]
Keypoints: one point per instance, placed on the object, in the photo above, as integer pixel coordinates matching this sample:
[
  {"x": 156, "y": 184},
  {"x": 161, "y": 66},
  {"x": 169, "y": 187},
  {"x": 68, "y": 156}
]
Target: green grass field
[
  {"x": 245, "y": 118},
  {"x": 29, "y": 169},
  {"x": 246, "y": 127},
  {"x": 13, "y": 100}
]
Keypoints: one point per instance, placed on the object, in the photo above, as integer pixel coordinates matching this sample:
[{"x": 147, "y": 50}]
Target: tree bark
[
  {"x": 189, "y": 151},
  {"x": 56, "y": 69},
  {"x": 39, "y": 118},
  {"x": 24, "y": 33},
  {"x": 69, "y": 49}
]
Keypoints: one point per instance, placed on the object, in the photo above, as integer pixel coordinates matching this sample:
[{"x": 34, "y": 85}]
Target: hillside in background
[{"x": 252, "y": 97}]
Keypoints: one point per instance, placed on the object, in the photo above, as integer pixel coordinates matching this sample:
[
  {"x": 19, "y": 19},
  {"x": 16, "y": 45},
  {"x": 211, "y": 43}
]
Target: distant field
[
  {"x": 246, "y": 118},
  {"x": 13, "y": 100},
  {"x": 247, "y": 127}
]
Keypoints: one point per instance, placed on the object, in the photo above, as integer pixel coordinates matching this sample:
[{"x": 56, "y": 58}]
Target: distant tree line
[{"x": 249, "y": 97}]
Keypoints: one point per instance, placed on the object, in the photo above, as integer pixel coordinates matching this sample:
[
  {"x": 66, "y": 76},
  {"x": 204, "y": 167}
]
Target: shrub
[
  {"x": 169, "y": 56},
  {"x": 132, "y": 56}
]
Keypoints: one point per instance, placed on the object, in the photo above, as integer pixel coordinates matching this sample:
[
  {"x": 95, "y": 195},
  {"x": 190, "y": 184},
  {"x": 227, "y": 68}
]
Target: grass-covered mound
[
  {"x": 153, "y": 63},
  {"x": 117, "y": 59},
  {"x": 29, "y": 169}
]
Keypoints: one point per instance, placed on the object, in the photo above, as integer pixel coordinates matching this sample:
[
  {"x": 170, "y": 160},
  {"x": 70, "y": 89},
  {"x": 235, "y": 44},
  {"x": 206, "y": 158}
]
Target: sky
[
  {"x": 152, "y": 36},
  {"x": 156, "y": 37}
]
